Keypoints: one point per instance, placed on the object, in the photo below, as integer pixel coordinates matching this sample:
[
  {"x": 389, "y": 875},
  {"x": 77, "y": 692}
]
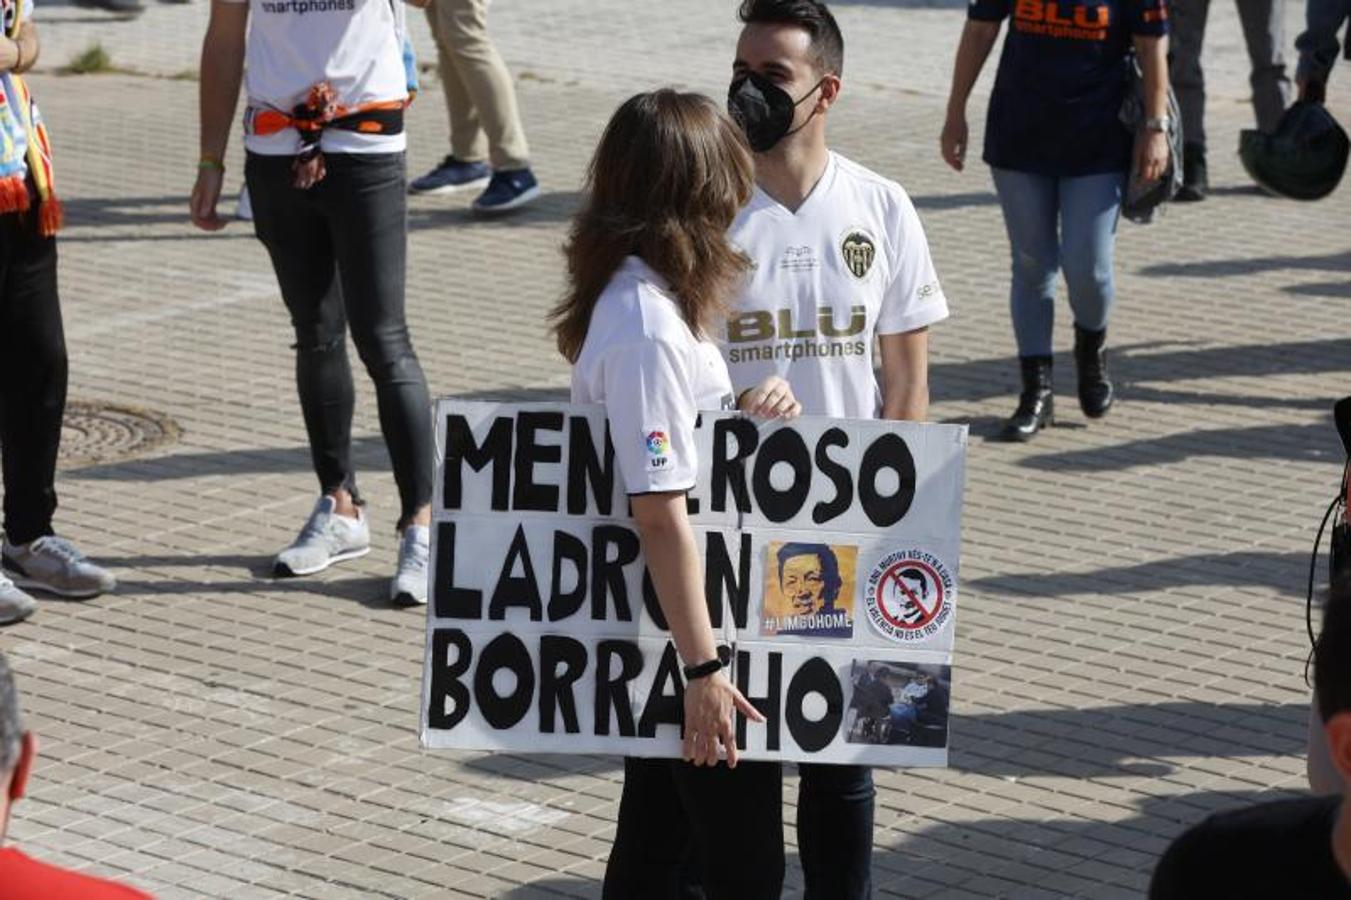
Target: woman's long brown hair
[{"x": 667, "y": 180}]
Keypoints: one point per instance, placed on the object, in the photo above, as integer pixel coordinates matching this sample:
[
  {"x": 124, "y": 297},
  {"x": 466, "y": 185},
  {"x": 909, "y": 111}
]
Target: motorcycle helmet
[{"x": 1303, "y": 159}]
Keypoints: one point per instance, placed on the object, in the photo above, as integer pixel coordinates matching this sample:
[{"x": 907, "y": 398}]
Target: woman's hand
[
  {"x": 1151, "y": 155},
  {"x": 709, "y": 704},
  {"x": 205, "y": 197},
  {"x": 770, "y": 399},
  {"x": 953, "y": 141}
]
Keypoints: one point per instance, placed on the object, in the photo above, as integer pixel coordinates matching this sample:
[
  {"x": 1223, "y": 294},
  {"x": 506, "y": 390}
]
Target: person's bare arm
[
  {"x": 974, "y": 48},
  {"x": 905, "y": 375},
  {"x": 1151, "y": 152},
  {"x": 673, "y": 559},
  {"x": 20, "y": 54},
  {"x": 222, "y": 71}
]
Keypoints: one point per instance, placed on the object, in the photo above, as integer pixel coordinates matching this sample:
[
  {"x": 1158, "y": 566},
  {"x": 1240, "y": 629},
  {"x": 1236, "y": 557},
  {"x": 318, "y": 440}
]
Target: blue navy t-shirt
[{"x": 1062, "y": 77}]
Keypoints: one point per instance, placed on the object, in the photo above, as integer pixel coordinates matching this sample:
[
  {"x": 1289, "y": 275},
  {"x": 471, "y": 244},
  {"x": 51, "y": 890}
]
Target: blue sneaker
[
  {"x": 509, "y": 189},
  {"x": 450, "y": 176}
]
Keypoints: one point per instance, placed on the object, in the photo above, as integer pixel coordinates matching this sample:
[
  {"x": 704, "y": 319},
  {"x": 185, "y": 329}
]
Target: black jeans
[
  {"x": 687, "y": 832},
  {"x": 835, "y": 830},
  {"x": 339, "y": 250},
  {"x": 33, "y": 371}
]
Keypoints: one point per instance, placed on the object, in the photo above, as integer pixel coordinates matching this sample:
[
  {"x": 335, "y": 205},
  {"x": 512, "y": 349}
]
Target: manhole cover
[{"x": 96, "y": 433}]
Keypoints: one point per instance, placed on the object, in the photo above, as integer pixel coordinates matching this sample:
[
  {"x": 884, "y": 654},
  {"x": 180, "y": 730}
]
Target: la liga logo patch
[
  {"x": 909, "y": 596},
  {"x": 658, "y": 449}
]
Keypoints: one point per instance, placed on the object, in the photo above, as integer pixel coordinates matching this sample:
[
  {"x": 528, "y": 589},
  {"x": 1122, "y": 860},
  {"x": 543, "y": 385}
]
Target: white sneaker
[
  {"x": 15, "y": 605},
  {"x": 409, "y": 587},
  {"x": 327, "y": 538},
  {"x": 244, "y": 208},
  {"x": 55, "y": 565}
]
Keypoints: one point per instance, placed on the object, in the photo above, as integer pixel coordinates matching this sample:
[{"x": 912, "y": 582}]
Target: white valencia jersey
[
  {"x": 851, "y": 263},
  {"x": 653, "y": 375}
]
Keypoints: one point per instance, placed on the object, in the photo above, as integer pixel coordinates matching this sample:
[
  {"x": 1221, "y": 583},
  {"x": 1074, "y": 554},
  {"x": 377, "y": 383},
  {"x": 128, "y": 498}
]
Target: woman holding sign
[{"x": 651, "y": 272}]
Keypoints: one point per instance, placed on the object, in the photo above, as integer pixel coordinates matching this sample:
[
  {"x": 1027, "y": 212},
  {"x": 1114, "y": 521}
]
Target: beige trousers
[{"x": 480, "y": 98}]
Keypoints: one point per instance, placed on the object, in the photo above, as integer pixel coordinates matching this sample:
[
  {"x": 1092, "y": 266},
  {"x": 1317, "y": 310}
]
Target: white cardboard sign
[{"x": 831, "y": 552}]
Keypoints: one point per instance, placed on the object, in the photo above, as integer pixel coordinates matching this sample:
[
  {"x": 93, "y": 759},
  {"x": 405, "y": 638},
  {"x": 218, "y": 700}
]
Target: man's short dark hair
[
  {"x": 809, "y": 15},
  {"x": 915, "y": 574},
  {"x": 11, "y": 729},
  {"x": 1332, "y": 658}
]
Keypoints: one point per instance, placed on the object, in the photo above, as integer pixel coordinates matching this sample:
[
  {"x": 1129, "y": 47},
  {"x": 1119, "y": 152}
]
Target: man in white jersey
[{"x": 841, "y": 263}]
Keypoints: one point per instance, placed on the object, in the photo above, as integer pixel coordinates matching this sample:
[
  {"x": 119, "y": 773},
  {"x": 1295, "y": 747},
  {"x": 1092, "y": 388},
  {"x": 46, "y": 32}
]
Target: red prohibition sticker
[{"x": 909, "y": 595}]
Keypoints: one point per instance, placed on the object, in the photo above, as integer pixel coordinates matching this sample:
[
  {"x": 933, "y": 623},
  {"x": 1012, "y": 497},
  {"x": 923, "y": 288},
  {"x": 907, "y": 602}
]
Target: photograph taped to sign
[{"x": 826, "y": 544}]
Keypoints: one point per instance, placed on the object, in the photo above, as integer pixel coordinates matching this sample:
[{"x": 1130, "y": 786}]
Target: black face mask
[{"x": 763, "y": 109}]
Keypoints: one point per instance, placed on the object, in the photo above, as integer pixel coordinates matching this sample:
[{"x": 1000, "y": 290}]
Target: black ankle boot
[
  {"x": 1195, "y": 178},
  {"x": 1036, "y": 405},
  {"x": 1095, "y": 389}
]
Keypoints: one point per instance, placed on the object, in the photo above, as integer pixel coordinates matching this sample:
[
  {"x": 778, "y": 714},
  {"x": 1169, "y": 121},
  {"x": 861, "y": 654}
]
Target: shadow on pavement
[
  {"x": 1229, "y": 268},
  {"x": 1012, "y": 857},
  {"x": 1320, "y": 289},
  {"x": 1136, "y": 364},
  {"x": 945, "y": 202},
  {"x": 1130, "y": 740},
  {"x": 1301, "y": 443},
  {"x": 1283, "y": 573},
  {"x": 551, "y": 208}
]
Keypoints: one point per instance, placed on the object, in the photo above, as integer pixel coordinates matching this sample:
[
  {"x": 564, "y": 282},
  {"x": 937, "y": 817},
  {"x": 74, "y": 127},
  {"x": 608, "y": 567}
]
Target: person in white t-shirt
[
  {"x": 651, "y": 271},
  {"x": 841, "y": 263},
  {"x": 327, "y": 84}
]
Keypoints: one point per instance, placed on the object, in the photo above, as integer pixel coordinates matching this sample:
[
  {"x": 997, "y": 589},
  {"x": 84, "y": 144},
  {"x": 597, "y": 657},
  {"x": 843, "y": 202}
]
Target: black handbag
[{"x": 1144, "y": 197}]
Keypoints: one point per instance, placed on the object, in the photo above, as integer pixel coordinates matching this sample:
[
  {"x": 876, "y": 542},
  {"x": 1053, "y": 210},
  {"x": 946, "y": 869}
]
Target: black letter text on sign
[{"x": 830, "y": 561}]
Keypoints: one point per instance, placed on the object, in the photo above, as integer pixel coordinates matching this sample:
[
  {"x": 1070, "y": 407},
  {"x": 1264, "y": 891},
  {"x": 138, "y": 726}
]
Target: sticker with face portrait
[
  {"x": 809, "y": 589},
  {"x": 909, "y": 596}
]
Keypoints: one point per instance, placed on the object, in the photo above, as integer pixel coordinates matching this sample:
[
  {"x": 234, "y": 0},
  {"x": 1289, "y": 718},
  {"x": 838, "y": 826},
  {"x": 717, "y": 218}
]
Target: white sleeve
[
  {"x": 649, "y": 400},
  {"x": 914, "y": 298}
]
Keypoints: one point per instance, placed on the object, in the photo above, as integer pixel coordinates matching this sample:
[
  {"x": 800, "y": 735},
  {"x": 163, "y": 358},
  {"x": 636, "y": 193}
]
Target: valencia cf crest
[{"x": 859, "y": 250}]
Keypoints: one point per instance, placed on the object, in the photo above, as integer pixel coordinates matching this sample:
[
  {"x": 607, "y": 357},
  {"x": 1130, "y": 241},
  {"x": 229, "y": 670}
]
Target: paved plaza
[{"x": 1131, "y": 645}]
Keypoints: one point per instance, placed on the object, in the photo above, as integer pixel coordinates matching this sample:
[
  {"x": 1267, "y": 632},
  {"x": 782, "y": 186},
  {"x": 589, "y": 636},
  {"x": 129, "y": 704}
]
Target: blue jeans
[{"x": 1059, "y": 224}]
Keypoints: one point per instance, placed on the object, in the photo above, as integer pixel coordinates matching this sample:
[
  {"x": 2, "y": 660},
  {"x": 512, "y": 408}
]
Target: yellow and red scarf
[{"x": 25, "y": 148}]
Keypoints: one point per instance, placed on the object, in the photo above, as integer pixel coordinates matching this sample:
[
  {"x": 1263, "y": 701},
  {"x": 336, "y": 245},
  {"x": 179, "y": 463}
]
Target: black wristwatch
[{"x": 703, "y": 669}]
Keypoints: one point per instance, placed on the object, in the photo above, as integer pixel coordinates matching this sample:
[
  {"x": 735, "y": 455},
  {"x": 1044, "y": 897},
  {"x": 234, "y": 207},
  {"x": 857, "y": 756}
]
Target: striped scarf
[{"x": 25, "y": 149}]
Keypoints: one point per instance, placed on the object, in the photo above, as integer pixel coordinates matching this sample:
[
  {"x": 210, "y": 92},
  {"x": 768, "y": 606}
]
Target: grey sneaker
[
  {"x": 55, "y": 565},
  {"x": 327, "y": 538},
  {"x": 409, "y": 587},
  {"x": 15, "y": 605}
]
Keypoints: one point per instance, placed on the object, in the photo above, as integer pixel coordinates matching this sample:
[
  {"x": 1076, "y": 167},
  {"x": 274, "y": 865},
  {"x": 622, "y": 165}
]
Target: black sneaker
[
  {"x": 509, "y": 189},
  {"x": 1195, "y": 179}
]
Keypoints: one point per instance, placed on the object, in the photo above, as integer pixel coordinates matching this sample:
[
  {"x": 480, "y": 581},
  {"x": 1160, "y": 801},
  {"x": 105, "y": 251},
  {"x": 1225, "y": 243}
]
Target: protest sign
[{"x": 830, "y": 551}]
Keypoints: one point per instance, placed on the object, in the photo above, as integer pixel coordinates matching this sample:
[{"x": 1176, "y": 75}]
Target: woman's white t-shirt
[
  {"x": 354, "y": 45},
  {"x": 653, "y": 375},
  {"x": 850, "y": 263}
]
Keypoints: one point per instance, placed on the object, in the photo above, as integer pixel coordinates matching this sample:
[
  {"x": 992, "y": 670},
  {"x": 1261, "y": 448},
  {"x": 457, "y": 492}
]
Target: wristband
[
  {"x": 210, "y": 162},
  {"x": 703, "y": 669}
]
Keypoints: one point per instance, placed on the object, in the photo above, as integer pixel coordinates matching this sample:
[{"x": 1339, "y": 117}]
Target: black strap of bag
[{"x": 1339, "y": 550}]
